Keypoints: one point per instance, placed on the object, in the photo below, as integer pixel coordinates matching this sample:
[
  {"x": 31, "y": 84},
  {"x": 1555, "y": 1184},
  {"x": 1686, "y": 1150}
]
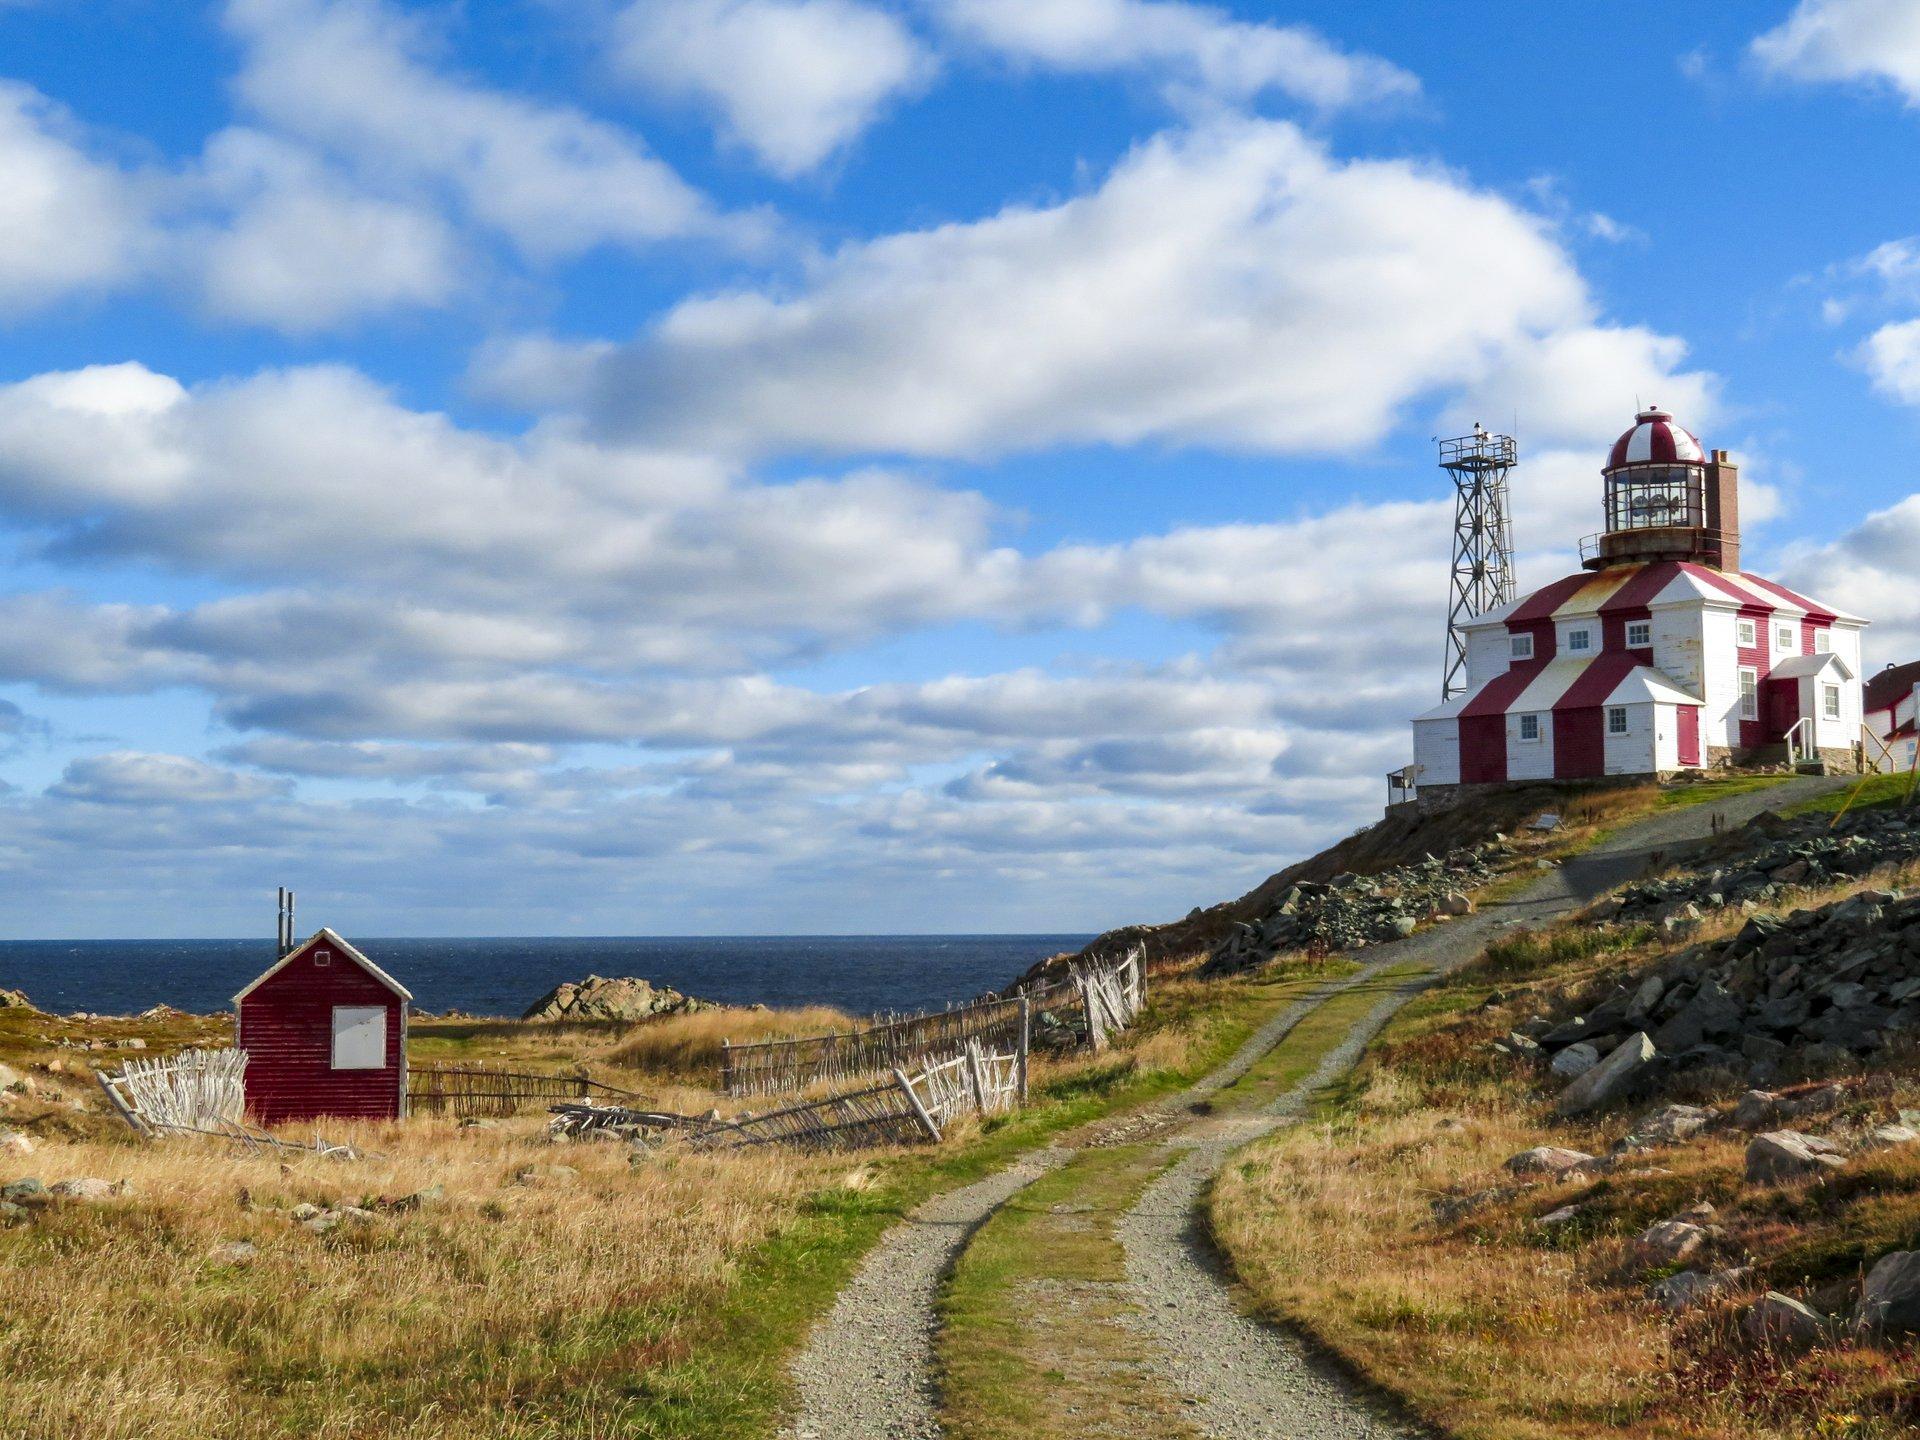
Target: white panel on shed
[{"x": 359, "y": 1037}]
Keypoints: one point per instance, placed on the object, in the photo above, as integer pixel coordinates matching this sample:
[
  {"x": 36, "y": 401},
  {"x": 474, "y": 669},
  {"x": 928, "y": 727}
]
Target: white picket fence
[{"x": 1112, "y": 995}]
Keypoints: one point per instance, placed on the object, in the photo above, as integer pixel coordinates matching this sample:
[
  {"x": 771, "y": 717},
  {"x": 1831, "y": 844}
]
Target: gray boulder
[
  {"x": 1547, "y": 1160},
  {"x": 1690, "y": 1289},
  {"x": 1611, "y": 1079},
  {"x": 1890, "y": 1301},
  {"x": 1575, "y": 1061},
  {"x": 1668, "y": 1126},
  {"x": 1781, "y": 1322},
  {"x": 1757, "y": 1110},
  {"x": 1789, "y": 1155},
  {"x": 1667, "y": 1242}
]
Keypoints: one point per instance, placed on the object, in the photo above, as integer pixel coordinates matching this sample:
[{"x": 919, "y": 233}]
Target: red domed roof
[{"x": 1655, "y": 440}]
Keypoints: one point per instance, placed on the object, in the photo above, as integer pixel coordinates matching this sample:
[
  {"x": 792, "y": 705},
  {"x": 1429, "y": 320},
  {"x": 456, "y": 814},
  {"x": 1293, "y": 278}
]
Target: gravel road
[{"x": 866, "y": 1371}]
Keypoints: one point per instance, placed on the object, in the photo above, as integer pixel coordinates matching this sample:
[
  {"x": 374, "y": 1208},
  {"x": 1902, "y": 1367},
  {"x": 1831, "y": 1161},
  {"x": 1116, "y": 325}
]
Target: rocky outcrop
[
  {"x": 1351, "y": 912},
  {"x": 1760, "y": 866},
  {"x": 623, "y": 998},
  {"x": 15, "y": 1000}
]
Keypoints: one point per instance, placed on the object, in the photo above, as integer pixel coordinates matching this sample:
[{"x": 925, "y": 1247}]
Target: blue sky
[{"x": 822, "y": 465}]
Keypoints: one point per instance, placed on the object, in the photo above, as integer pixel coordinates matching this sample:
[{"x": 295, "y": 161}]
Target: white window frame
[
  {"x": 1617, "y": 720},
  {"x": 1639, "y": 634},
  {"x": 1746, "y": 633},
  {"x": 1521, "y": 647},
  {"x": 1749, "y": 692},
  {"x": 1580, "y": 640},
  {"x": 1823, "y": 642},
  {"x": 359, "y": 1037},
  {"x": 1830, "y": 701},
  {"x": 1531, "y": 718},
  {"x": 1783, "y": 637}
]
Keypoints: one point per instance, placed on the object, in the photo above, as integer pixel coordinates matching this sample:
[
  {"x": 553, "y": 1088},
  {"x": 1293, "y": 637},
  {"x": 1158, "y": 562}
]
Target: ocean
[{"x": 862, "y": 974}]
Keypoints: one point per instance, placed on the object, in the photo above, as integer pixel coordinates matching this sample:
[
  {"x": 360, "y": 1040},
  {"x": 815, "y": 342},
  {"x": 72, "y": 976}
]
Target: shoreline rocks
[{"x": 599, "y": 997}]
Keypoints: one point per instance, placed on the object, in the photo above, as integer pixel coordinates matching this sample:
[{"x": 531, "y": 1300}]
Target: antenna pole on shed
[{"x": 1482, "y": 540}]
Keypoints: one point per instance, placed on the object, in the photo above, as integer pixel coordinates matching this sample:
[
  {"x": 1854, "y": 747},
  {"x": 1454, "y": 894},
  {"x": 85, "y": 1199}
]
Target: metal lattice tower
[{"x": 1482, "y": 540}]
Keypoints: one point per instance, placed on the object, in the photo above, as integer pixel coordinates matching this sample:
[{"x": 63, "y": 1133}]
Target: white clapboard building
[
  {"x": 1660, "y": 655},
  {"x": 1892, "y": 707}
]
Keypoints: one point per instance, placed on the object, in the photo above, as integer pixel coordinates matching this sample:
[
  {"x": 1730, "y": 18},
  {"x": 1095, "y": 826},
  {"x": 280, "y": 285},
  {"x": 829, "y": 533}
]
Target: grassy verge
[
  {"x": 1033, "y": 1342},
  {"x": 1878, "y": 792}
]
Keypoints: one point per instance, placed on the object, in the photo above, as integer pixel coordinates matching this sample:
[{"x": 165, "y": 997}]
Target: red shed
[{"x": 325, "y": 1031}]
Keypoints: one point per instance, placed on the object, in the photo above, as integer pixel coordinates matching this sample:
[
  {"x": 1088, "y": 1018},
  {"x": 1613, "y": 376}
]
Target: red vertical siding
[
  {"x": 1579, "y": 743},
  {"x": 1483, "y": 749},
  {"x": 286, "y": 1028}
]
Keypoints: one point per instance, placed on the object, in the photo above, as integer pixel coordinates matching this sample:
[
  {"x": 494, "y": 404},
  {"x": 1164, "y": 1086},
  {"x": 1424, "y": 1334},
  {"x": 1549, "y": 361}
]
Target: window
[
  {"x": 1523, "y": 647},
  {"x": 1783, "y": 637},
  {"x": 1579, "y": 641},
  {"x": 1744, "y": 633},
  {"x": 1639, "y": 634},
  {"x": 1749, "y": 693},
  {"x": 359, "y": 1037},
  {"x": 1823, "y": 642},
  {"x": 323, "y": 957},
  {"x": 1830, "y": 701},
  {"x": 1616, "y": 720},
  {"x": 1529, "y": 727}
]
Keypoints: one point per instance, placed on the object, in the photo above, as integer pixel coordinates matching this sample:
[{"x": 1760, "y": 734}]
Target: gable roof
[
  {"x": 1803, "y": 665},
  {"x": 1622, "y": 588},
  {"x": 1567, "y": 685},
  {"x": 329, "y": 937},
  {"x": 1892, "y": 685}
]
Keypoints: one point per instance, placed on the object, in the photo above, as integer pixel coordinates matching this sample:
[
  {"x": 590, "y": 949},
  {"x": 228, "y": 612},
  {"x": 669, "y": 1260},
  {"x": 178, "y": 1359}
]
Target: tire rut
[{"x": 866, "y": 1371}]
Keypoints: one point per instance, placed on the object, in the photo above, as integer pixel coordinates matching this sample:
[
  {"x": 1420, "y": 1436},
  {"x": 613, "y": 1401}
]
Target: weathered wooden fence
[
  {"x": 473, "y": 1091},
  {"x": 1110, "y": 996},
  {"x": 192, "y": 1090},
  {"x": 905, "y": 1109}
]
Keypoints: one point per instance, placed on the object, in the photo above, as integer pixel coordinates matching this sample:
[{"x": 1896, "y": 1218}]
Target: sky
[{"x": 825, "y": 466}]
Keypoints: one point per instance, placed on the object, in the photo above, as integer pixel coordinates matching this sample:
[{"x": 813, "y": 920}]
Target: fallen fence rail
[
  {"x": 905, "y": 1109},
  {"x": 1110, "y": 997},
  {"x": 473, "y": 1091}
]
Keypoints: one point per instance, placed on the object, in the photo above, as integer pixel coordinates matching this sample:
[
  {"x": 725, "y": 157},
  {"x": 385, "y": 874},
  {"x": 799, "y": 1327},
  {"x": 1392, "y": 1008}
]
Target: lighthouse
[{"x": 1661, "y": 655}]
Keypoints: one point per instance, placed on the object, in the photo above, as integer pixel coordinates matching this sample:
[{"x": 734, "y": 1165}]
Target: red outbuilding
[{"x": 325, "y": 1031}]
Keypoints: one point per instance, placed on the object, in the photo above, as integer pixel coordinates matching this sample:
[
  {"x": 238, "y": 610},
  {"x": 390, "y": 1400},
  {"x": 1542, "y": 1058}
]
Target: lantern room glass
[{"x": 1650, "y": 497}]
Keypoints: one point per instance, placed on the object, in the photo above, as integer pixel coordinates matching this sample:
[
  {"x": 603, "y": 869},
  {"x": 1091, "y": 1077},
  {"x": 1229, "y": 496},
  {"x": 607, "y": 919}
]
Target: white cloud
[
  {"x": 1196, "y": 50},
  {"x": 68, "y": 221},
  {"x": 1870, "y": 40},
  {"x": 349, "y": 75},
  {"x": 1870, "y": 571},
  {"x": 299, "y": 248},
  {"x": 1891, "y": 356},
  {"x": 134, "y": 777},
  {"x": 793, "y": 80}
]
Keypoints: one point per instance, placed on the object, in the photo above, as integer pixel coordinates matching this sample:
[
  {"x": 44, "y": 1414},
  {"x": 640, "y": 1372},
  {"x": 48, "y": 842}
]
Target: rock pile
[
  {"x": 1761, "y": 864},
  {"x": 600, "y": 998},
  {"x": 1351, "y": 912},
  {"x": 1816, "y": 986}
]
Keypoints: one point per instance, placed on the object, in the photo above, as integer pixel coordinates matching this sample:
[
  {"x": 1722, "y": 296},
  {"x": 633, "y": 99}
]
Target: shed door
[{"x": 359, "y": 1037}]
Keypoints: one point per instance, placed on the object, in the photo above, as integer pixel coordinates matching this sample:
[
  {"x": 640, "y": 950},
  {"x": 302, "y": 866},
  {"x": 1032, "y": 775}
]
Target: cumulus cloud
[
  {"x": 353, "y": 76},
  {"x": 1870, "y": 571},
  {"x": 135, "y": 777},
  {"x": 1196, "y": 51},
  {"x": 1877, "y": 41},
  {"x": 793, "y": 81},
  {"x": 69, "y": 221},
  {"x": 1232, "y": 286}
]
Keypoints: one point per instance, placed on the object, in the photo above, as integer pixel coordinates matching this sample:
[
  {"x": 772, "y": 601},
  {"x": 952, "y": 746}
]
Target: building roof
[
  {"x": 1605, "y": 679},
  {"x": 1655, "y": 440},
  {"x": 1621, "y": 588},
  {"x": 1801, "y": 666},
  {"x": 329, "y": 937},
  {"x": 1892, "y": 685}
]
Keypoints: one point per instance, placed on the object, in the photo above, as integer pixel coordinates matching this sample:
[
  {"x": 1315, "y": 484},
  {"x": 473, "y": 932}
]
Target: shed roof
[{"x": 333, "y": 938}]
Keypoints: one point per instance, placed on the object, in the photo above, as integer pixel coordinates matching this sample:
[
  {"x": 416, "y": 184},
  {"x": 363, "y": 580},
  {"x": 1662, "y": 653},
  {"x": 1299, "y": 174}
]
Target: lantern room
[{"x": 1666, "y": 499}]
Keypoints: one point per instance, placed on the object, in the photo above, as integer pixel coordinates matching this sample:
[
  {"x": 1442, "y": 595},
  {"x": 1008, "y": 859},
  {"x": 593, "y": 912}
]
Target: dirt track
[{"x": 866, "y": 1370}]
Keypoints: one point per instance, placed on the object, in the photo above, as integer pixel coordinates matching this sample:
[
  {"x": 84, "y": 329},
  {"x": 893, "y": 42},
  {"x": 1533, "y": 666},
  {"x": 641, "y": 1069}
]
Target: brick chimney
[{"x": 1723, "y": 513}]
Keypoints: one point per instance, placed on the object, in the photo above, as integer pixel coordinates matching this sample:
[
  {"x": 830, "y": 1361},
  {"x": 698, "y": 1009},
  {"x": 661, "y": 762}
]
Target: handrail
[{"x": 1794, "y": 753}]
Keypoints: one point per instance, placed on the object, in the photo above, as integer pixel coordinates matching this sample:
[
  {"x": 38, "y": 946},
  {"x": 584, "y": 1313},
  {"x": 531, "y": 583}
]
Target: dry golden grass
[
  {"x": 504, "y": 1308},
  {"x": 689, "y": 1045},
  {"x": 1497, "y": 1328}
]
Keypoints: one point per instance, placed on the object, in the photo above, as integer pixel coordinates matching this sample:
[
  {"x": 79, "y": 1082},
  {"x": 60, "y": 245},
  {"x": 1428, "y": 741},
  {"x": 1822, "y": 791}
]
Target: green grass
[
  {"x": 1879, "y": 791},
  {"x": 1032, "y": 1342},
  {"x": 1681, "y": 797}
]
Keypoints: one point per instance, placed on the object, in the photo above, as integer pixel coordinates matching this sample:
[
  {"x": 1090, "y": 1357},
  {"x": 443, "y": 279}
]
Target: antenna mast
[{"x": 1482, "y": 540}]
